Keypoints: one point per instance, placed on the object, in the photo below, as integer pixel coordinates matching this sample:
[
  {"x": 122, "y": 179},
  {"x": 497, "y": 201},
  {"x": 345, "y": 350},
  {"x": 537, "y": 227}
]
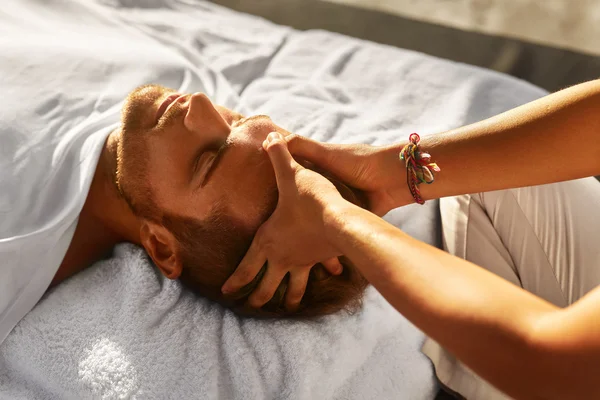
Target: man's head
[{"x": 198, "y": 179}]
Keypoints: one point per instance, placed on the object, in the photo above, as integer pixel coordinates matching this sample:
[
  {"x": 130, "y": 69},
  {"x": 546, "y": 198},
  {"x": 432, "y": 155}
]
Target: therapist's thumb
[
  {"x": 284, "y": 164},
  {"x": 320, "y": 154}
]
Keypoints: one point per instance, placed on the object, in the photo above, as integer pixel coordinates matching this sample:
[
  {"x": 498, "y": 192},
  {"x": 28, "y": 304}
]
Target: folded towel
[{"x": 121, "y": 330}]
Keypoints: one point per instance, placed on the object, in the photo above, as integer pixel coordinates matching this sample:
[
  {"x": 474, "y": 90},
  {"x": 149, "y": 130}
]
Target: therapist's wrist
[
  {"x": 337, "y": 216},
  {"x": 394, "y": 188}
]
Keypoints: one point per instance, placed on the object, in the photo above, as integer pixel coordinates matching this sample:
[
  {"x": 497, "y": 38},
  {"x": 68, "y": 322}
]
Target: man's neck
[
  {"x": 104, "y": 202},
  {"x": 105, "y": 219}
]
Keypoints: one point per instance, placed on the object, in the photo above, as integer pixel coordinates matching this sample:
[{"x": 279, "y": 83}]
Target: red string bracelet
[{"x": 419, "y": 168}]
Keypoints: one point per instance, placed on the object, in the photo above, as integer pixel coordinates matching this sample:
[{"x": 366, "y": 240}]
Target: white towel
[{"x": 121, "y": 330}]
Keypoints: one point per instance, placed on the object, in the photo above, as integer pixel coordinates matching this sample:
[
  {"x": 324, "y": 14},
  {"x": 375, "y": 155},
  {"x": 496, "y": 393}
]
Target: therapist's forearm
[
  {"x": 482, "y": 319},
  {"x": 552, "y": 139}
]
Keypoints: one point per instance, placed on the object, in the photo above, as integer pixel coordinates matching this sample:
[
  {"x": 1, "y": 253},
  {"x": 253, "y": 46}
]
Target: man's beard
[{"x": 131, "y": 175}]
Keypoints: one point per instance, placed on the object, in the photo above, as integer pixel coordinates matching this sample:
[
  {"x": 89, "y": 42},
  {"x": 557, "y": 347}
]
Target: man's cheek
[{"x": 249, "y": 202}]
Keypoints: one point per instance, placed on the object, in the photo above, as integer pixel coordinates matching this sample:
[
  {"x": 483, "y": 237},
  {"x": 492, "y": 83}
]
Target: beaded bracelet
[{"x": 419, "y": 168}]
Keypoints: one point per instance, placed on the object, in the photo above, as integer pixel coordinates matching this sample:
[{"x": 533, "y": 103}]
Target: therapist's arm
[
  {"x": 522, "y": 344},
  {"x": 525, "y": 346},
  {"x": 552, "y": 139}
]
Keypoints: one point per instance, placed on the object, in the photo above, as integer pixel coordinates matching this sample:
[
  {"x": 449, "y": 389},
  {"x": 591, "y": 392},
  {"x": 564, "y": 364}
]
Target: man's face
[
  {"x": 204, "y": 177},
  {"x": 198, "y": 157}
]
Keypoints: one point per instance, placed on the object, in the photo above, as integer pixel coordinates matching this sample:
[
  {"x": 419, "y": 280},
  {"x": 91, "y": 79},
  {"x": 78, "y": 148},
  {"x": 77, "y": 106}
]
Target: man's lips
[{"x": 165, "y": 105}]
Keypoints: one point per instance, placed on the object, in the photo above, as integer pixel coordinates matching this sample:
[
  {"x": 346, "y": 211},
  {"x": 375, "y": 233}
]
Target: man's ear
[{"x": 161, "y": 246}]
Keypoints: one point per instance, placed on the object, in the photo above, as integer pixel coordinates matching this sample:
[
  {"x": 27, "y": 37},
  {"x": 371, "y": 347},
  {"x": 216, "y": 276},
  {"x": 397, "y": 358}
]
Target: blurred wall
[
  {"x": 548, "y": 66},
  {"x": 569, "y": 24}
]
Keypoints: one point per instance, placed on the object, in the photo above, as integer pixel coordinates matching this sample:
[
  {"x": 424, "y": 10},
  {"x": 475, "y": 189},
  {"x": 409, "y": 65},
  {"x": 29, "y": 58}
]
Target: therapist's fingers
[
  {"x": 333, "y": 265},
  {"x": 267, "y": 286},
  {"x": 284, "y": 164},
  {"x": 296, "y": 288},
  {"x": 249, "y": 267},
  {"x": 318, "y": 152},
  {"x": 334, "y": 158}
]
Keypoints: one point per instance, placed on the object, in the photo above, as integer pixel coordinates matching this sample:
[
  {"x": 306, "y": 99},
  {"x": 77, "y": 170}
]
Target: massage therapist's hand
[
  {"x": 375, "y": 170},
  {"x": 292, "y": 239}
]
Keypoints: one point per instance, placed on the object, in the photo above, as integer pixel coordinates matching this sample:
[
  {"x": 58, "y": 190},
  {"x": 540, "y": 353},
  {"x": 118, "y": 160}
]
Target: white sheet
[{"x": 119, "y": 330}]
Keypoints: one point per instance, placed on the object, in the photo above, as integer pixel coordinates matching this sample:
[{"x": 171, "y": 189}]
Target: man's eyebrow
[
  {"x": 259, "y": 116},
  {"x": 251, "y": 118}
]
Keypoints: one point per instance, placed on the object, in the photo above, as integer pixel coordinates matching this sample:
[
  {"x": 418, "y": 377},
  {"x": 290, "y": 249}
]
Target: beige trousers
[{"x": 545, "y": 239}]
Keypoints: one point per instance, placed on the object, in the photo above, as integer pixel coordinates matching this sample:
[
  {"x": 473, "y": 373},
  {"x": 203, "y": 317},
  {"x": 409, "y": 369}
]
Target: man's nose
[{"x": 202, "y": 113}]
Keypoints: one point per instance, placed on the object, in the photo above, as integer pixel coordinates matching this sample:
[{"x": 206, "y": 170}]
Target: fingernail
[
  {"x": 273, "y": 136},
  {"x": 270, "y": 138},
  {"x": 225, "y": 290}
]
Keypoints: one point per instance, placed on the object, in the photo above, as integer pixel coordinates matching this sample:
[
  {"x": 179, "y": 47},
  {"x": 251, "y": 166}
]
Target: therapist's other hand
[
  {"x": 377, "y": 171},
  {"x": 292, "y": 240}
]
